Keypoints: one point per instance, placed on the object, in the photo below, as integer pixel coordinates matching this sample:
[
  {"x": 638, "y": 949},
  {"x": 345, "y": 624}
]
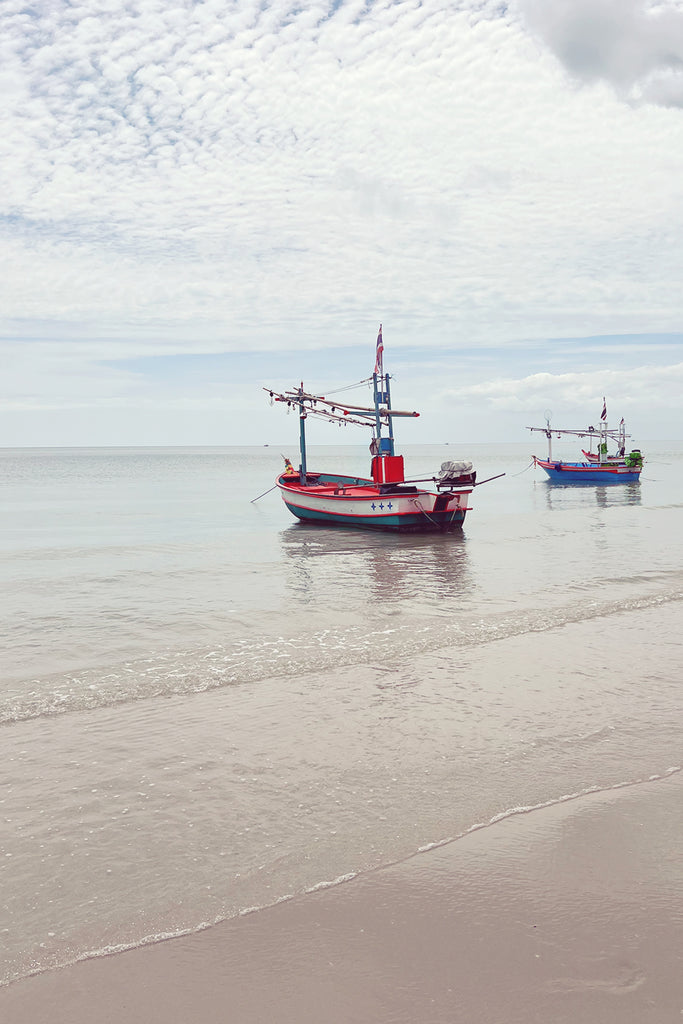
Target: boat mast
[
  {"x": 378, "y": 416},
  {"x": 302, "y": 435},
  {"x": 382, "y": 397},
  {"x": 603, "y": 433}
]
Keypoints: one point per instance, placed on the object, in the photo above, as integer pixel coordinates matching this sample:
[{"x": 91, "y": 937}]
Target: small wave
[
  {"x": 245, "y": 911},
  {"x": 181, "y": 673},
  {"x": 436, "y": 844},
  {"x": 511, "y": 812},
  {"x": 165, "y": 936},
  {"x": 335, "y": 881}
]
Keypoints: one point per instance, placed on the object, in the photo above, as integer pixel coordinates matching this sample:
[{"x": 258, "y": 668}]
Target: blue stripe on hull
[
  {"x": 589, "y": 477},
  {"x": 405, "y": 523}
]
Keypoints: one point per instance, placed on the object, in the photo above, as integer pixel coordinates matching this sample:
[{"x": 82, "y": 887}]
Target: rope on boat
[
  {"x": 263, "y": 495},
  {"x": 525, "y": 469},
  {"x": 416, "y": 502},
  {"x": 350, "y": 387}
]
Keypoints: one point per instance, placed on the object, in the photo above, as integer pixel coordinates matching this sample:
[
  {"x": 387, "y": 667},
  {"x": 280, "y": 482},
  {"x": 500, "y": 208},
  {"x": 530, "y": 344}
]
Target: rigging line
[
  {"x": 521, "y": 470},
  {"x": 349, "y": 387},
  {"x": 323, "y": 414}
]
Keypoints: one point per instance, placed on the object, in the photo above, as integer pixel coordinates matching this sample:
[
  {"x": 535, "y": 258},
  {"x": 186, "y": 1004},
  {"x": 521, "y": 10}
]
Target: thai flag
[
  {"x": 603, "y": 414},
  {"x": 379, "y": 351}
]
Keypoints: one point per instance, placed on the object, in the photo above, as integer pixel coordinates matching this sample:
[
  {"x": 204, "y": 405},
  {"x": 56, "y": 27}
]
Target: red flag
[
  {"x": 379, "y": 351},
  {"x": 603, "y": 414}
]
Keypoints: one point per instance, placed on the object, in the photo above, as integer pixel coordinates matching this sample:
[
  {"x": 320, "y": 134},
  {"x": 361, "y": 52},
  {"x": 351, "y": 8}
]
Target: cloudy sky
[{"x": 199, "y": 199}]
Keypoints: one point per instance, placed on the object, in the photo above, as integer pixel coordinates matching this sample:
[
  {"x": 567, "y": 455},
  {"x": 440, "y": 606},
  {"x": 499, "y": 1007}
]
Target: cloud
[
  {"x": 236, "y": 176},
  {"x": 634, "y": 45},
  {"x": 184, "y": 166},
  {"x": 580, "y": 394}
]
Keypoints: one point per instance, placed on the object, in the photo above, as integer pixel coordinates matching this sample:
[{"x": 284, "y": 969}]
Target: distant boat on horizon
[{"x": 599, "y": 466}]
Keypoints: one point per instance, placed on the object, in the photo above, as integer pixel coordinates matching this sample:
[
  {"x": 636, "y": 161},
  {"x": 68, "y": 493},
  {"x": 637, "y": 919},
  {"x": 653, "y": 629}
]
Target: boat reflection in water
[
  {"x": 330, "y": 565},
  {"x": 610, "y": 497},
  {"x": 571, "y": 496}
]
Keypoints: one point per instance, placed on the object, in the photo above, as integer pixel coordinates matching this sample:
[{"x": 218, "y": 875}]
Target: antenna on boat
[{"x": 548, "y": 415}]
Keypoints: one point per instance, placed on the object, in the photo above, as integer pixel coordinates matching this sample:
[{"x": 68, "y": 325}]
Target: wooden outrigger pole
[{"x": 379, "y": 416}]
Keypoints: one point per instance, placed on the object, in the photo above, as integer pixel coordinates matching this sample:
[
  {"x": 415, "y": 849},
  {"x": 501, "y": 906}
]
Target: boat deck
[{"x": 351, "y": 490}]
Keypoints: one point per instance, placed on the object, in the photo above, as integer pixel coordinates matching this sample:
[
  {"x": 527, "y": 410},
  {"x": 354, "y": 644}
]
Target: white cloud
[
  {"x": 635, "y": 45},
  {"x": 229, "y": 176},
  {"x": 637, "y": 390}
]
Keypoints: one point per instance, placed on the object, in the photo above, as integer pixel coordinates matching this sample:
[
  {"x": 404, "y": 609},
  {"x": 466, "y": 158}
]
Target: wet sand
[{"x": 571, "y": 913}]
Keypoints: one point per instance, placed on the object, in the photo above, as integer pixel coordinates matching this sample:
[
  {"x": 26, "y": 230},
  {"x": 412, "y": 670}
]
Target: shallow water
[{"x": 208, "y": 707}]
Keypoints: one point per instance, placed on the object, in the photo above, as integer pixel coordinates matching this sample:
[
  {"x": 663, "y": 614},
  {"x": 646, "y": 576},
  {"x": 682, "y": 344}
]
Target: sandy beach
[{"x": 567, "y": 913}]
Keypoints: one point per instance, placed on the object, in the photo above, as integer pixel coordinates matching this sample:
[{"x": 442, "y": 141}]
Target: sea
[{"x": 207, "y": 708}]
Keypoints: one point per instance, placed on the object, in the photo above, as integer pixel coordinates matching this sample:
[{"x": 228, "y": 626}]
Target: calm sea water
[{"x": 207, "y": 707}]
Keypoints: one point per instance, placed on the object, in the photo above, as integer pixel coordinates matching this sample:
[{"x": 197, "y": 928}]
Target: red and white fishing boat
[{"x": 385, "y": 500}]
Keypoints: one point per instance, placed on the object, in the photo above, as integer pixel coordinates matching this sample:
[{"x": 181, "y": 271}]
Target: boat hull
[
  {"x": 588, "y": 473},
  {"x": 358, "y": 503}
]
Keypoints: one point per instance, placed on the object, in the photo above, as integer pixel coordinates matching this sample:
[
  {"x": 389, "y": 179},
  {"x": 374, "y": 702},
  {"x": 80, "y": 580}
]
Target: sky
[{"x": 199, "y": 200}]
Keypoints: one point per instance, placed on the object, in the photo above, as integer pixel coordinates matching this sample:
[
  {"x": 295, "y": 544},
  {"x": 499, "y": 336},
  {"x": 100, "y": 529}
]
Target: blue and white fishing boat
[
  {"x": 598, "y": 467},
  {"x": 385, "y": 500}
]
